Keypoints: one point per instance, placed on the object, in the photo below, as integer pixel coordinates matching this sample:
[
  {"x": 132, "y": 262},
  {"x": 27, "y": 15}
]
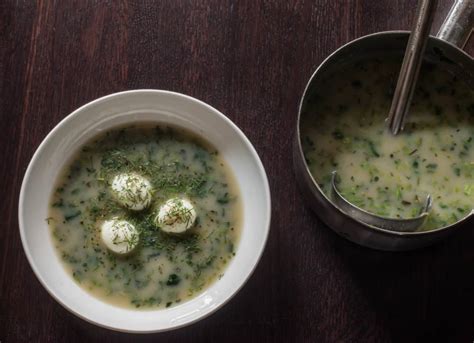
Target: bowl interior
[{"x": 132, "y": 107}]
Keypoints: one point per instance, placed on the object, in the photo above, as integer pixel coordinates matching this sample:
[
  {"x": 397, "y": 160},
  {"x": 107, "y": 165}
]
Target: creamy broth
[
  {"x": 343, "y": 128},
  {"x": 165, "y": 268}
]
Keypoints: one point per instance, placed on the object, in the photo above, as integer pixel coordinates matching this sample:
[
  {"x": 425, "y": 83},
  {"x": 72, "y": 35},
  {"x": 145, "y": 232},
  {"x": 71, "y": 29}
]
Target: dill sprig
[{"x": 178, "y": 213}]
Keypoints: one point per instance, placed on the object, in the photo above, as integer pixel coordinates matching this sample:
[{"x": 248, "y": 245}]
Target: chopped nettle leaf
[
  {"x": 173, "y": 280},
  {"x": 72, "y": 215}
]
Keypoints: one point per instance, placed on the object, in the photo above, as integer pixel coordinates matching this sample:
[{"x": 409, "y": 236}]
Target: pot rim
[{"x": 315, "y": 185}]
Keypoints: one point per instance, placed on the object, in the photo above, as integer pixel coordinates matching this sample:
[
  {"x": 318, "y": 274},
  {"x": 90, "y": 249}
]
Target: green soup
[
  {"x": 343, "y": 128},
  {"x": 164, "y": 268}
]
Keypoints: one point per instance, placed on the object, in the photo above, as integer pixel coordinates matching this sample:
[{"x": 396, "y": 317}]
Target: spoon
[
  {"x": 394, "y": 224},
  {"x": 398, "y": 111},
  {"x": 410, "y": 69}
]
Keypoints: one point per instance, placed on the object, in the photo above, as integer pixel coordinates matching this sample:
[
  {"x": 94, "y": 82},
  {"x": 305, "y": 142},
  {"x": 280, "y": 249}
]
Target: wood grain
[{"x": 251, "y": 60}]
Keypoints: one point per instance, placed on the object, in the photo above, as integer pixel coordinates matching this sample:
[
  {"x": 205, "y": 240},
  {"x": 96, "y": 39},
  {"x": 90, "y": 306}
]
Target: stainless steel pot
[{"x": 445, "y": 51}]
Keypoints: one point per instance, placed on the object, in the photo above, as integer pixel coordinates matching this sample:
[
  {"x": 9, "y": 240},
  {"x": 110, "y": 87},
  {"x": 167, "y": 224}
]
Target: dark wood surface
[{"x": 251, "y": 60}]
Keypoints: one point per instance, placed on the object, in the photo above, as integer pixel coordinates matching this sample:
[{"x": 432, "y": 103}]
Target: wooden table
[{"x": 251, "y": 60}]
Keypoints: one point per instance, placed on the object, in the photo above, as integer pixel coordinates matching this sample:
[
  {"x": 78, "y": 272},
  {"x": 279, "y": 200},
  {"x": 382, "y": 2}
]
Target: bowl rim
[{"x": 244, "y": 140}]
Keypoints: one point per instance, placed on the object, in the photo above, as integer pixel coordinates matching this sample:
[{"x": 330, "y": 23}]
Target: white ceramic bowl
[{"x": 130, "y": 107}]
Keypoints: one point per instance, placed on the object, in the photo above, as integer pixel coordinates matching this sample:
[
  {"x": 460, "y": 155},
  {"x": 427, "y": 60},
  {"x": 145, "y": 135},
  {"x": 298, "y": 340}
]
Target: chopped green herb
[
  {"x": 72, "y": 216},
  {"x": 173, "y": 280}
]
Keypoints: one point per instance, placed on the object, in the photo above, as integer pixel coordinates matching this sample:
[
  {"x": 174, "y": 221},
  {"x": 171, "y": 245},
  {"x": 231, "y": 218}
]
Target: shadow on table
[{"x": 427, "y": 293}]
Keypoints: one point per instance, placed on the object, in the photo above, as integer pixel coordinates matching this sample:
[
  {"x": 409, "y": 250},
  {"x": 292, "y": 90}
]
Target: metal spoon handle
[
  {"x": 459, "y": 23},
  {"x": 411, "y": 65}
]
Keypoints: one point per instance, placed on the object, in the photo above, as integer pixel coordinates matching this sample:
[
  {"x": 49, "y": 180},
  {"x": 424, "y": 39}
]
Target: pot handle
[{"x": 459, "y": 23}]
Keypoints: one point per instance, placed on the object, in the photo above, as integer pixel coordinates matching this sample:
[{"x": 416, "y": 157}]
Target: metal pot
[{"x": 443, "y": 50}]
